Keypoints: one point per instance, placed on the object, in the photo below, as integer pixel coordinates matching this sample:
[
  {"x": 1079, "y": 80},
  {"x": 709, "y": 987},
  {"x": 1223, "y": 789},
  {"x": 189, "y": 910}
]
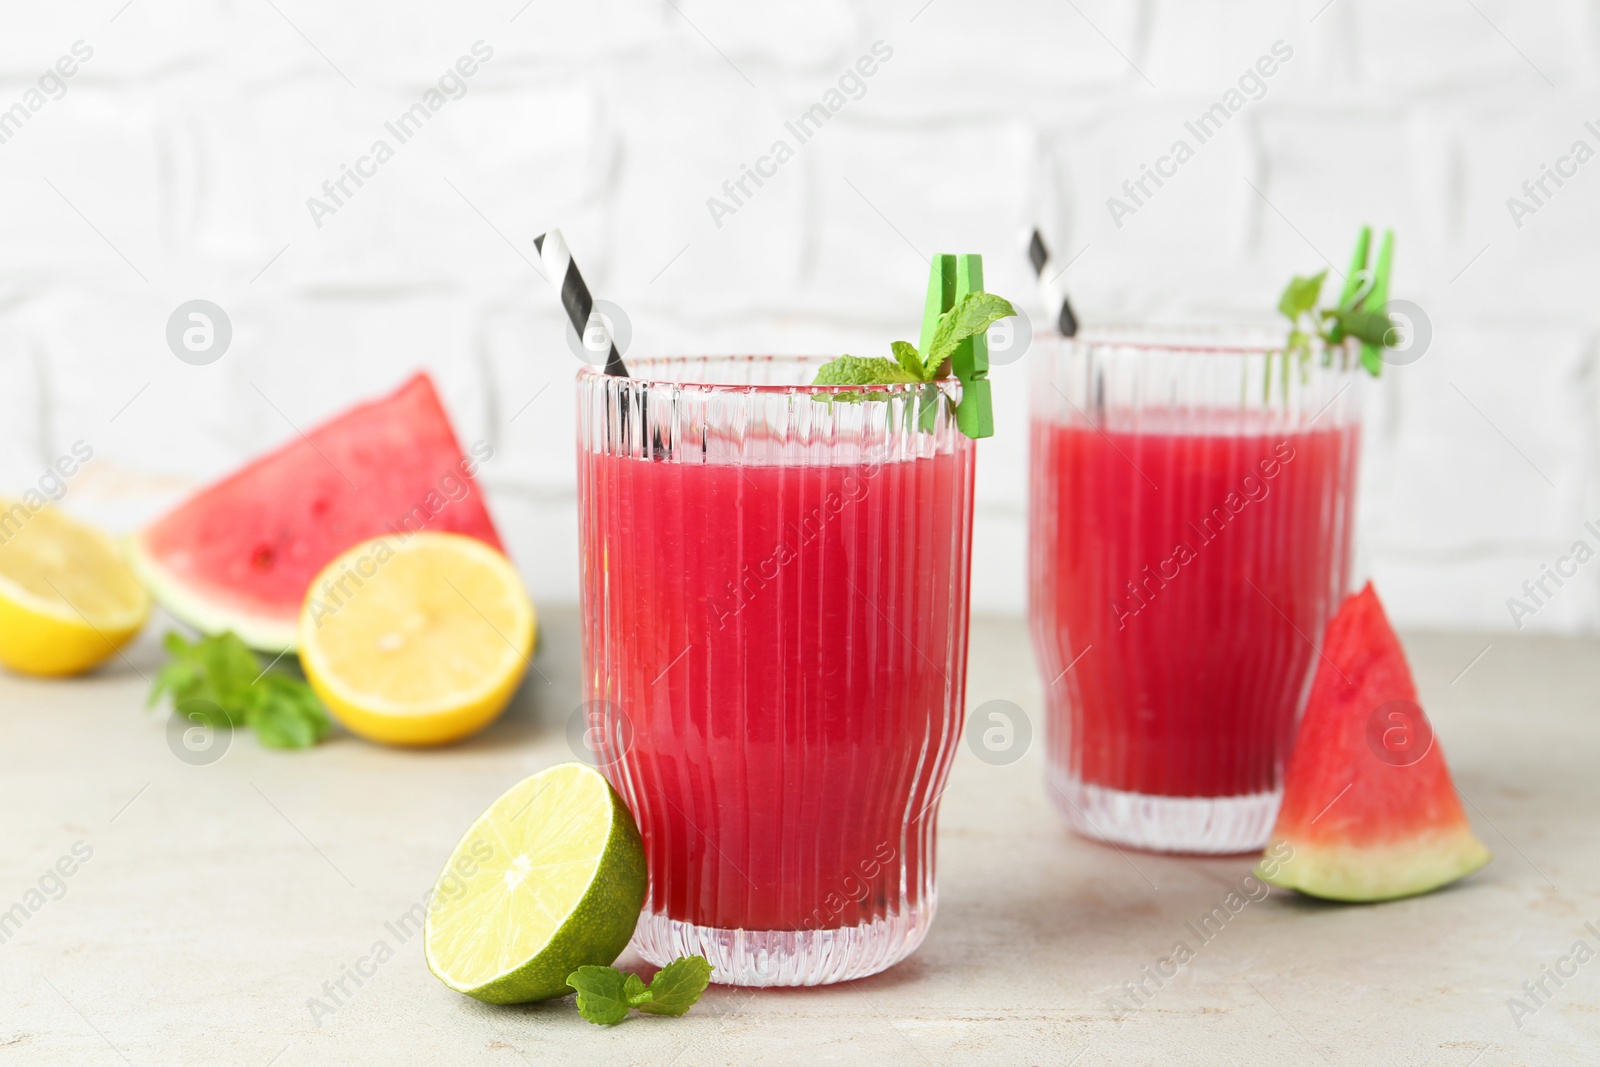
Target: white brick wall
[{"x": 194, "y": 135}]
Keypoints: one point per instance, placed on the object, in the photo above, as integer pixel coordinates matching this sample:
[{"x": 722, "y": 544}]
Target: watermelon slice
[
  {"x": 1369, "y": 811},
  {"x": 240, "y": 554}
]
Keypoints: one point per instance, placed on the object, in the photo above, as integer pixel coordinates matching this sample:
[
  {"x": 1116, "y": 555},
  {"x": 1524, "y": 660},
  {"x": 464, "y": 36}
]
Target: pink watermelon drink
[
  {"x": 784, "y": 679},
  {"x": 1186, "y": 554},
  {"x": 1154, "y": 587},
  {"x": 784, "y": 673}
]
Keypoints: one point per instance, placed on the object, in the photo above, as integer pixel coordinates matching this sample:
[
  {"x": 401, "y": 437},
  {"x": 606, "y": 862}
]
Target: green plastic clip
[
  {"x": 941, "y": 298},
  {"x": 1377, "y": 296},
  {"x": 975, "y": 415},
  {"x": 1358, "y": 268},
  {"x": 949, "y": 279}
]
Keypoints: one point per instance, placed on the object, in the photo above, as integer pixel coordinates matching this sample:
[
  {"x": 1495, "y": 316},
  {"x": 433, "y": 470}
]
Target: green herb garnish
[
  {"x": 217, "y": 680},
  {"x": 606, "y": 995},
  {"x": 861, "y": 370},
  {"x": 1359, "y": 314},
  {"x": 972, "y": 316},
  {"x": 957, "y": 316}
]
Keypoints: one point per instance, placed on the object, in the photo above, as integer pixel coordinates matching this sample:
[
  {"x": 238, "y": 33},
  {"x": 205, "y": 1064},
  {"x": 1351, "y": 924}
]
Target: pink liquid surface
[
  {"x": 1183, "y": 577},
  {"x": 787, "y": 644}
]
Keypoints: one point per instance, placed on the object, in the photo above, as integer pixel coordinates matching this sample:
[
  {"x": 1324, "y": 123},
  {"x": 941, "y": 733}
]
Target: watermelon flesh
[
  {"x": 1369, "y": 811},
  {"x": 240, "y": 554}
]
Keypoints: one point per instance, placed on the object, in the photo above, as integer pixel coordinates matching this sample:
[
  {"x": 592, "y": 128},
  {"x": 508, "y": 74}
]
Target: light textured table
[{"x": 219, "y": 899}]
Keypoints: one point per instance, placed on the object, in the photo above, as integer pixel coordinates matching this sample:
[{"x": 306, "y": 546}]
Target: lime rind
[{"x": 550, "y": 878}]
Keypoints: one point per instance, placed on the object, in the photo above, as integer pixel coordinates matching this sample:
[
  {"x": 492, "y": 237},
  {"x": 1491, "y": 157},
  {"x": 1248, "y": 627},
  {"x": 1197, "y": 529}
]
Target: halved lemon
[
  {"x": 551, "y": 878},
  {"x": 417, "y": 641},
  {"x": 67, "y": 600}
]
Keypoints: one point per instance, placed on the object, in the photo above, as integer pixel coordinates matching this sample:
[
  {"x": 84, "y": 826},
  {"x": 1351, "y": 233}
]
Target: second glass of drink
[{"x": 1191, "y": 512}]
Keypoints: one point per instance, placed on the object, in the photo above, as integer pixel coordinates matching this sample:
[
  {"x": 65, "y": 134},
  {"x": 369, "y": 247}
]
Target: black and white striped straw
[
  {"x": 1055, "y": 295},
  {"x": 575, "y": 297}
]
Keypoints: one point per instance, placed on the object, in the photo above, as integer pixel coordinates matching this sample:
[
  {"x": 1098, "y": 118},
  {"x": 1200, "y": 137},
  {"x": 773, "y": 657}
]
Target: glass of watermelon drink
[
  {"x": 775, "y": 624},
  {"x": 1190, "y": 519}
]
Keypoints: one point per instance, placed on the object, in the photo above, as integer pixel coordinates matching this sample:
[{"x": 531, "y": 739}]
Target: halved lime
[{"x": 549, "y": 879}]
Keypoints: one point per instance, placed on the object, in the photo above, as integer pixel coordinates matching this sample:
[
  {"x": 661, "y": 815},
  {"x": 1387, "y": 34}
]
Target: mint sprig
[
  {"x": 606, "y": 996},
  {"x": 858, "y": 370},
  {"x": 217, "y": 680},
  {"x": 1358, "y": 315},
  {"x": 971, "y": 316}
]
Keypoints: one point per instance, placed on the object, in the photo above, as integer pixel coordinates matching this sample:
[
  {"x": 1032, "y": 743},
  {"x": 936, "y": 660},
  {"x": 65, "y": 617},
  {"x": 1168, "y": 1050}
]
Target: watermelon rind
[
  {"x": 1361, "y": 821},
  {"x": 206, "y": 614},
  {"x": 1372, "y": 873}
]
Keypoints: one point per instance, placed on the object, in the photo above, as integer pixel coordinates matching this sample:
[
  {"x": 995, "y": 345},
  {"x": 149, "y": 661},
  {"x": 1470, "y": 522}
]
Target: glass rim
[
  {"x": 1190, "y": 338},
  {"x": 589, "y": 372}
]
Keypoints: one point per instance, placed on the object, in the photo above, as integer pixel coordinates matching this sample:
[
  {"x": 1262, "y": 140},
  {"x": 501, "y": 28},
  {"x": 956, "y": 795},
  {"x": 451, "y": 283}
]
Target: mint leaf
[
  {"x": 973, "y": 315},
  {"x": 910, "y": 360},
  {"x": 285, "y": 713},
  {"x": 602, "y": 994},
  {"x": 1371, "y": 327},
  {"x": 220, "y": 672},
  {"x": 606, "y": 995},
  {"x": 179, "y": 676},
  {"x": 677, "y": 986},
  {"x": 857, "y": 370},
  {"x": 1301, "y": 295}
]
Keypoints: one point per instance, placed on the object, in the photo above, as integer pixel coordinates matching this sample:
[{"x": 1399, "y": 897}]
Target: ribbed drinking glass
[
  {"x": 775, "y": 589},
  {"x": 1190, "y": 522}
]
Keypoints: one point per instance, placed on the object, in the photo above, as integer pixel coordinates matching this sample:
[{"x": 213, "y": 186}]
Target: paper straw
[
  {"x": 575, "y": 297},
  {"x": 1055, "y": 295}
]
